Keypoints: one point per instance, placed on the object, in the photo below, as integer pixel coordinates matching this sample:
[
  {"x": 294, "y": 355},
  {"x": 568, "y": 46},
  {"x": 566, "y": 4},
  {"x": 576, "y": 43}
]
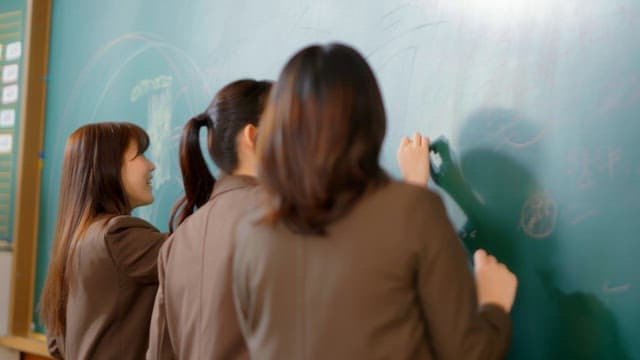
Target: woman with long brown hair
[
  {"x": 194, "y": 316},
  {"x": 342, "y": 262},
  {"x": 102, "y": 278}
]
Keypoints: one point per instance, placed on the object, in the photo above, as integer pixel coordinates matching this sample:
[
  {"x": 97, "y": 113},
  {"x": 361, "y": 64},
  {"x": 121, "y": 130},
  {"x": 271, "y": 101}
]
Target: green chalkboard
[{"x": 539, "y": 101}]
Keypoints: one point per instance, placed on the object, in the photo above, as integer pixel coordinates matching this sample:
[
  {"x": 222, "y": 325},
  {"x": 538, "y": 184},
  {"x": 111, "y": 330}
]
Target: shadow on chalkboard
[
  {"x": 511, "y": 216},
  {"x": 580, "y": 326}
]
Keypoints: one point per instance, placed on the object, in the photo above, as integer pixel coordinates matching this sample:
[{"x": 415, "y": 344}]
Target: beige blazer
[
  {"x": 194, "y": 316},
  {"x": 112, "y": 289},
  {"x": 390, "y": 281}
]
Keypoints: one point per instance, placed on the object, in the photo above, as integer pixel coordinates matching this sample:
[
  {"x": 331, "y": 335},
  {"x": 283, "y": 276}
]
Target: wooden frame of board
[{"x": 27, "y": 200}]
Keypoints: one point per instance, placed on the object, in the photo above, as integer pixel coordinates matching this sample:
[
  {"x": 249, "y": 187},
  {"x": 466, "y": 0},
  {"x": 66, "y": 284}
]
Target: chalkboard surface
[{"x": 539, "y": 101}]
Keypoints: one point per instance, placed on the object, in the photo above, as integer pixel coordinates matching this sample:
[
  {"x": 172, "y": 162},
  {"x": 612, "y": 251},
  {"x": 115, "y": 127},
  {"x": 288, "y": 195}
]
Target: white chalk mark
[
  {"x": 613, "y": 158},
  {"x": 159, "y": 111},
  {"x": 583, "y": 216},
  {"x": 615, "y": 289},
  {"x": 538, "y": 215},
  {"x": 395, "y": 10}
]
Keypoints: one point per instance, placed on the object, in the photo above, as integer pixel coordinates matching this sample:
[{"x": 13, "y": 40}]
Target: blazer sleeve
[
  {"x": 134, "y": 245},
  {"x": 159, "y": 342},
  {"x": 456, "y": 326}
]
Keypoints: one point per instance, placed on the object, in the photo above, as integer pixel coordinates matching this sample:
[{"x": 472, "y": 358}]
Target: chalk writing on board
[
  {"x": 582, "y": 216},
  {"x": 402, "y": 34},
  {"x": 177, "y": 59},
  {"x": 538, "y": 216},
  {"x": 145, "y": 86},
  {"x": 159, "y": 111},
  {"x": 391, "y": 19},
  {"x": 584, "y": 164},
  {"x": 607, "y": 289},
  {"x": 509, "y": 140},
  {"x": 395, "y": 10},
  {"x": 397, "y": 24},
  {"x": 621, "y": 91},
  {"x": 511, "y": 130},
  {"x": 580, "y": 166},
  {"x": 613, "y": 158}
]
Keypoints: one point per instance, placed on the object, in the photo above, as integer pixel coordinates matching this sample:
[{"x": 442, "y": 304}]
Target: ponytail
[
  {"x": 196, "y": 177},
  {"x": 235, "y": 106}
]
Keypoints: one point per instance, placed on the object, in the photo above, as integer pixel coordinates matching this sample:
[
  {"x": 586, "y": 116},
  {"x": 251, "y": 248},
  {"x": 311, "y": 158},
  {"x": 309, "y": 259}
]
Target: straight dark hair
[
  {"x": 321, "y": 137},
  {"x": 235, "y": 106},
  {"x": 90, "y": 187}
]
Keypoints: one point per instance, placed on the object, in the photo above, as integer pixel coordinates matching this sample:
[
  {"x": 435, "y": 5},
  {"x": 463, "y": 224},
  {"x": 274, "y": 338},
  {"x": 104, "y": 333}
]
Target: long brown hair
[
  {"x": 321, "y": 137},
  {"x": 90, "y": 187},
  {"x": 235, "y": 106}
]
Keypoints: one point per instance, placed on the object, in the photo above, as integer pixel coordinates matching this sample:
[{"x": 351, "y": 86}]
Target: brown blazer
[
  {"x": 194, "y": 315},
  {"x": 112, "y": 288},
  {"x": 390, "y": 281}
]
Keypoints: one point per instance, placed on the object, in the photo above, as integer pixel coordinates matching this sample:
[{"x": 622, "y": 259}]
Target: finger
[
  {"x": 425, "y": 141},
  {"x": 479, "y": 257},
  {"x": 428, "y": 153},
  {"x": 417, "y": 139},
  {"x": 405, "y": 141}
]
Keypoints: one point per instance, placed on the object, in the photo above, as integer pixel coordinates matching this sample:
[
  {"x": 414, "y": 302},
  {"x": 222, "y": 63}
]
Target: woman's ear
[{"x": 250, "y": 136}]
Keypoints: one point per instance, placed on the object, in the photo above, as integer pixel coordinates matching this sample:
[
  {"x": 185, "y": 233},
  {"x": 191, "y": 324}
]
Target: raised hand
[
  {"x": 495, "y": 283},
  {"x": 413, "y": 159},
  {"x": 448, "y": 175}
]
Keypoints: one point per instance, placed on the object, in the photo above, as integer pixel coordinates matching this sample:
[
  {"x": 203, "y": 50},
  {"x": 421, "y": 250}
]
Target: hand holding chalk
[
  {"x": 447, "y": 174},
  {"x": 413, "y": 159}
]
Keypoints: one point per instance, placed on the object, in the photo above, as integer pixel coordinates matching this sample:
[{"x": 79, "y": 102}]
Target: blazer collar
[{"x": 233, "y": 182}]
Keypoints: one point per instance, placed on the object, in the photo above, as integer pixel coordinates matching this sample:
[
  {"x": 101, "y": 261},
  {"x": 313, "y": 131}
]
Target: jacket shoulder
[
  {"x": 411, "y": 196},
  {"x": 123, "y": 223}
]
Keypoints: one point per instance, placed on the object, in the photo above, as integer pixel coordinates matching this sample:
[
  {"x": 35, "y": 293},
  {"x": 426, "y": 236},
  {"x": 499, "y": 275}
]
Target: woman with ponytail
[
  {"x": 102, "y": 279},
  {"x": 194, "y": 315}
]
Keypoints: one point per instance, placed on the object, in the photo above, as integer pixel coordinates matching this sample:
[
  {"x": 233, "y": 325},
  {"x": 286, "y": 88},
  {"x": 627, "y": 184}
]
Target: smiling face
[{"x": 136, "y": 177}]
